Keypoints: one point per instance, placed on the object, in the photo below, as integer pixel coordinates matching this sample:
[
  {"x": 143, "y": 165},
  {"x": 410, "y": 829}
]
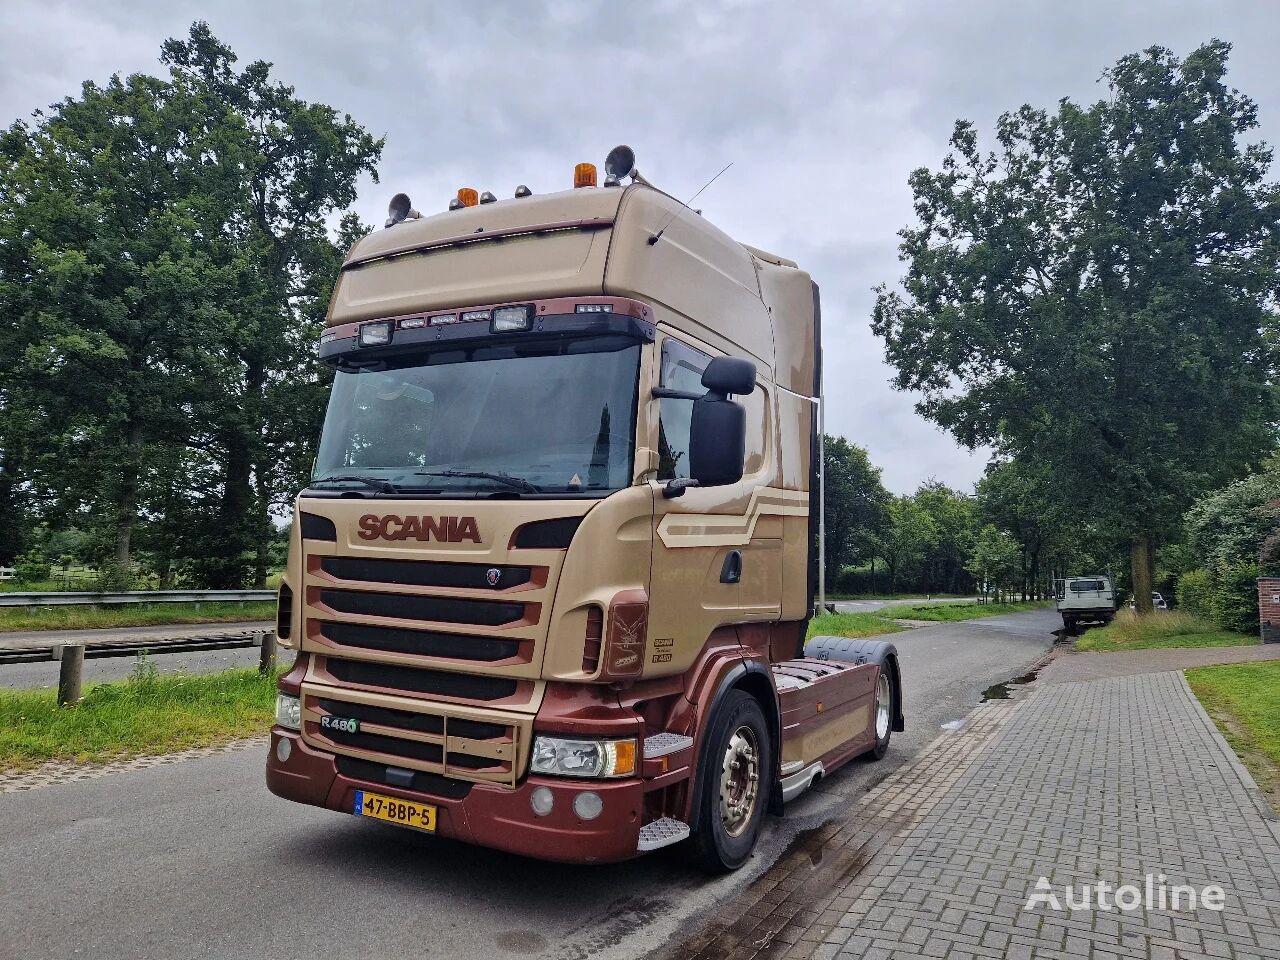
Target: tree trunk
[
  {"x": 1140, "y": 566},
  {"x": 127, "y": 499}
]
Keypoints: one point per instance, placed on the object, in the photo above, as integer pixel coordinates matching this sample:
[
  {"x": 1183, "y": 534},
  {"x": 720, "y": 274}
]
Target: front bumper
[{"x": 489, "y": 815}]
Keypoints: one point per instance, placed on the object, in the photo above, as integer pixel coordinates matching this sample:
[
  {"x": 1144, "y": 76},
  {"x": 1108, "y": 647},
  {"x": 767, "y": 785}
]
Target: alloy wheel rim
[
  {"x": 739, "y": 781},
  {"x": 883, "y": 700}
]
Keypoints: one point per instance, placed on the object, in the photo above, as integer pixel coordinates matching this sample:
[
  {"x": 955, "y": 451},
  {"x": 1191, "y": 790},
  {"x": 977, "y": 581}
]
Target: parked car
[
  {"x": 1085, "y": 600},
  {"x": 1157, "y": 601}
]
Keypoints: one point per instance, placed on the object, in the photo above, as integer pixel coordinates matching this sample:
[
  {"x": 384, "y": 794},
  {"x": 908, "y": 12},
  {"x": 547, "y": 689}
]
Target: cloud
[{"x": 824, "y": 108}]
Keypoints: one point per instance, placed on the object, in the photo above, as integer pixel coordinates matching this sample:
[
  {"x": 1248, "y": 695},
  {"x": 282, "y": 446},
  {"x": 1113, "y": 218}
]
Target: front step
[
  {"x": 661, "y": 833},
  {"x": 663, "y": 744}
]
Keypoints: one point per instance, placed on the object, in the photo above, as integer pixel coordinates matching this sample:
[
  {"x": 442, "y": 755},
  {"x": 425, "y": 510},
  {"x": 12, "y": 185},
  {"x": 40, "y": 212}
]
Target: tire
[
  {"x": 882, "y": 714},
  {"x": 724, "y": 835},
  {"x": 1069, "y": 625}
]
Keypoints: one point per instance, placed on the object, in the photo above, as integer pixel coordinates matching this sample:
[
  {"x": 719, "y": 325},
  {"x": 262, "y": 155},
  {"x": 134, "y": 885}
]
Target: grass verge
[
  {"x": 1244, "y": 701},
  {"x": 145, "y": 715},
  {"x": 851, "y": 625},
  {"x": 134, "y": 615},
  {"x": 1164, "y": 628},
  {"x": 951, "y": 612}
]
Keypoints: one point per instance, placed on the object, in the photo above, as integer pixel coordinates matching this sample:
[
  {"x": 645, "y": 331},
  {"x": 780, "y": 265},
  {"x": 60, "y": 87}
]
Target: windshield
[{"x": 539, "y": 416}]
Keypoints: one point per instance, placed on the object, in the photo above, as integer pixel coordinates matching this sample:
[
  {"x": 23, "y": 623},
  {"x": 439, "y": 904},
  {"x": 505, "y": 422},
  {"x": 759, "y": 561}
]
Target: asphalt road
[{"x": 195, "y": 859}]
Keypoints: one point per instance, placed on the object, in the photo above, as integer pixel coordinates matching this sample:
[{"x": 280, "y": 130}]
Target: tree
[
  {"x": 954, "y": 521},
  {"x": 284, "y": 166},
  {"x": 1095, "y": 297},
  {"x": 994, "y": 560},
  {"x": 906, "y": 536},
  {"x": 856, "y": 505}
]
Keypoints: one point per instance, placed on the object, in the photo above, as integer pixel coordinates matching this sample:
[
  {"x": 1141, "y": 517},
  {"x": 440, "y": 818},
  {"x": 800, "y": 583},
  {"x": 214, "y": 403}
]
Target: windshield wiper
[
  {"x": 506, "y": 479},
  {"x": 382, "y": 486}
]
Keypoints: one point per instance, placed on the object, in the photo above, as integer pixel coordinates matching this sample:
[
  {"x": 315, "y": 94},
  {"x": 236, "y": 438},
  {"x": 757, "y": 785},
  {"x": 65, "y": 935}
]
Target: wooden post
[
  {"x": 267, "y": 653},
  {"x": 71, "y": 674}
]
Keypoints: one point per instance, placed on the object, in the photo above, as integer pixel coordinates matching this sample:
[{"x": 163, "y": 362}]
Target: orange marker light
[
  {"x": 625, "y": 758},
  {"x": 584, "y": 175},
  {"x": 468, "y": 197}
]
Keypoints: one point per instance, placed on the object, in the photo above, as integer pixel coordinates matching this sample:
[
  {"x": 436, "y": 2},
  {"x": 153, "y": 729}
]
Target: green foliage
[
  {"x": 994, "y": 560},
  {"x": 131, "y": 615},
  {"x": 160, "y": 714},
  {"x": 1229, "y": 525},
  {"x": 32, "y": 567},
  {"x": 1195, "y": 592},
  {"x": 851, "y": 625},
  {"x": 1241, "y": 697},
  {"x": 906, "y": 537},
  {"x": 1233, "y": 603},
  {"x": 1096, "y": 295},
  {"x": 856, "y": 505},
  {"x": 1174, "y": 628},
  {"x": 165, "y": 261},
  {"x": 114, "y": 578},
  {"x": 955, "y": 612}
]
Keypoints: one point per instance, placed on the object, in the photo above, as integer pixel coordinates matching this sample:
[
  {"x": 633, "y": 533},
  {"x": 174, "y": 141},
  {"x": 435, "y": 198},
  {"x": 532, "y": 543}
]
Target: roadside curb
[
  {"x": 1250, "y": 786},
  {"x": 54, "y": 772}
]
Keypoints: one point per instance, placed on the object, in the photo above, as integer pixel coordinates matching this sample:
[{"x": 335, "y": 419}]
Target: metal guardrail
[
  {"x": 72, "y": 599},
  {"x": 71, "y": 656}
]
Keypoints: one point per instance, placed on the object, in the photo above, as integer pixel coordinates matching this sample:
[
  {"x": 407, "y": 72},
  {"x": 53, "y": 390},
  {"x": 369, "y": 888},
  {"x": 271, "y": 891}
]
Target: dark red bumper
[{"x": 490, "y": 816}]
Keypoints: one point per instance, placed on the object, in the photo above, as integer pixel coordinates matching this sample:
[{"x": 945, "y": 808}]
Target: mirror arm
[
  {"x": 668, "y": 393},
  {"x": 676, "y": 487}
]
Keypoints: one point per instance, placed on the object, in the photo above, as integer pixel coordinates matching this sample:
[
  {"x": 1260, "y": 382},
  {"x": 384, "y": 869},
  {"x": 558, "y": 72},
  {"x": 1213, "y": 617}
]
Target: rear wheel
[
  {"x": 882, "y": 716},
  {"x": 737, "y": 778}
]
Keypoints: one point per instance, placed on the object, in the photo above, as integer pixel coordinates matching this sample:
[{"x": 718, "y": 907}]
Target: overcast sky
[{"x": 823, "y": 108}]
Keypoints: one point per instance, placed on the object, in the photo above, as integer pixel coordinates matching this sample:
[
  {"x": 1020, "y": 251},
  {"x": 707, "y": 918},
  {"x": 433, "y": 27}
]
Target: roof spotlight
[
  {"x": 455, "y": 204},
  {"x": 523, "y": 191},
  {"x": 620, "y": 164},
  {"x": 399, "y": 209},
  {"x": 488, "y": 197}
]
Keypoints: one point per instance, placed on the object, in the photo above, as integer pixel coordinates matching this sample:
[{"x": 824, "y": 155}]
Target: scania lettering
[{"x": 550, "y": 584}]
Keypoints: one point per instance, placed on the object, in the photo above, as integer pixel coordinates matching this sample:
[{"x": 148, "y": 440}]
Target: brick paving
[{"x": 1107, "y": 779}]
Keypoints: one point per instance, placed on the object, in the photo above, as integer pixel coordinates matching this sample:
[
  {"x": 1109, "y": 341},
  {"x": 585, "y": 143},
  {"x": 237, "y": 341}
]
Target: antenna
[{"x": 661, "y": 230}]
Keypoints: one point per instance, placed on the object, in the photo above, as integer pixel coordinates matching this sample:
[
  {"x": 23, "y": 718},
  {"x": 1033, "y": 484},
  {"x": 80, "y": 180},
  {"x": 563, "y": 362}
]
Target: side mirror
[
  {"x": 717, "y": 440},
  {"x": 725, "y": 375}
]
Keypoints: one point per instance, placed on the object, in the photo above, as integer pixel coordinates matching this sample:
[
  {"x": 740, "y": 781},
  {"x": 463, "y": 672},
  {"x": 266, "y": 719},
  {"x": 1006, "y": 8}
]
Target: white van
[{"x": 1085, "y": 600}]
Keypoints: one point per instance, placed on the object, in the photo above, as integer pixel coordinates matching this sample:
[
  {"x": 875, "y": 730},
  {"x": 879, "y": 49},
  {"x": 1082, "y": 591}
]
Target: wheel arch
[{"x": 755, "y": 679}]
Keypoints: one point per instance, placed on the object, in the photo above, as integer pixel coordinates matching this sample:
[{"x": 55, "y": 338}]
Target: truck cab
[
  {"x": 1087, "y": 599},
  {"x": 550, "y": 583}
]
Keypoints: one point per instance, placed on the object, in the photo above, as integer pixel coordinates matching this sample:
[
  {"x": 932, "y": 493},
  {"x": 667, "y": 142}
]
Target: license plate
[{"x": 406, "y": 813}]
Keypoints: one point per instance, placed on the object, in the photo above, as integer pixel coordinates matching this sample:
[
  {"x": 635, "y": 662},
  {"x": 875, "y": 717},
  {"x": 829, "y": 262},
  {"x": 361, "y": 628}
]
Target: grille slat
[
  {"x": 486, "y": 613},
  {"x": 424, "y": 643},
  {"x": 437, "y": 682},
  {"x": 426, "y": 573}
]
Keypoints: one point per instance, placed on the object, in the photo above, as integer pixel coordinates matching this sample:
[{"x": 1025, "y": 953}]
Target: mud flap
[{"x": 864, "y": 650}]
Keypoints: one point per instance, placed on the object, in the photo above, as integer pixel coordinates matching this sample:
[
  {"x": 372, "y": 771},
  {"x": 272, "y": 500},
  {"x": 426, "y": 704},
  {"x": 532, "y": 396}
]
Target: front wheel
[{"x": 737, "y": 777}]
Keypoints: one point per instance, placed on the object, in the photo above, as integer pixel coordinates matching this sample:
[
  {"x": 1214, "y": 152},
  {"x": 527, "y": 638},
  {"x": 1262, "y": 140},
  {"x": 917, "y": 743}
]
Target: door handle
[{"x": 731, "y": 572}]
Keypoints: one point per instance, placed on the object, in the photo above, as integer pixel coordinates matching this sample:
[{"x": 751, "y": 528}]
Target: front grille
[
  {"x": 420, "y": 573},
  {"x": 422, "y": 782},
  {"x": 435, "y": 682},
  {"x": 408, "y": 720},
  {"x": 487, "y": 613},
  {"x": 421, "y": 642}
]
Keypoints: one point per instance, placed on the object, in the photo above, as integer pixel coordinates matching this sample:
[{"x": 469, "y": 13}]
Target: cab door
[{"x": 717, "y": 552}]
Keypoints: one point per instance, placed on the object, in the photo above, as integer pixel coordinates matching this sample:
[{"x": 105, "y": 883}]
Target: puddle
[{"x": 1003, "y": 691}]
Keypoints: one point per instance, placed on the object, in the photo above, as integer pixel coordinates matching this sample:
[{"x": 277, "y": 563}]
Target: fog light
[
  {"x": 284, "y": 749},
  {"x": 588, "y": 805},
  {"x": 542, "y": 800}
]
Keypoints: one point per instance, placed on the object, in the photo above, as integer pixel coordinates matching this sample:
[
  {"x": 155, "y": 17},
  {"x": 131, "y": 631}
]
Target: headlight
[
  {"x": 561, "y": 757},
  {"x": 288, "y": 711}
]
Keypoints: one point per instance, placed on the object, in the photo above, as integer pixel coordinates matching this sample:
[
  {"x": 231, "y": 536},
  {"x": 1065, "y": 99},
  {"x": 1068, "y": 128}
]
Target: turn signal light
[
  {"x": 468, "y": 197},
  {"x": 624, "y": 763},
  {"x": 584, "y": 175}
]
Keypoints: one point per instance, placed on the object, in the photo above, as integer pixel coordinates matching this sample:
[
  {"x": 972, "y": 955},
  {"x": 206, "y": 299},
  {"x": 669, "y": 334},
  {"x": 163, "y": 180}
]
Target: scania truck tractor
[{"x": 550, "y": 583}]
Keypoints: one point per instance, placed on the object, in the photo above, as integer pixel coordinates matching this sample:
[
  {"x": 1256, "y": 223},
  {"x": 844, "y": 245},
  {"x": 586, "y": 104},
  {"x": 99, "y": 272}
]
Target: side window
[{"x": 682, "y": 368}]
